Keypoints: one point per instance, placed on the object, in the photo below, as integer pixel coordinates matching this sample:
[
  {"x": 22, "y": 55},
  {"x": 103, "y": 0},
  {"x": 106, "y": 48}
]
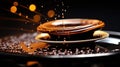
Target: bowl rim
[
  {"x": 49, "y": 27},
  {"x": 100, "y": 35}
]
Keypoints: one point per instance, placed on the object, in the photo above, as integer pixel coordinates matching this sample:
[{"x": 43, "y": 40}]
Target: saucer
[{"x": 97, "y": 35}]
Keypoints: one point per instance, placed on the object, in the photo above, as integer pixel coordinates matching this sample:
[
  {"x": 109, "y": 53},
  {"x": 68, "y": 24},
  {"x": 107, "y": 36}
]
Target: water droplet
[
  {"x": 26, "y": 16},
  {"x": 65, "y": 10},
  {"x": 42, "y": 6},
  {"x": 55, "y": 18},
  {"x": 20, "y": 14},
  {"x": 63, "y": 16}
]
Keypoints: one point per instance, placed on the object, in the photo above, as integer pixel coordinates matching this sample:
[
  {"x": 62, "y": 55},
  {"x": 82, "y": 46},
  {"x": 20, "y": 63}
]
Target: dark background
[{"x": 107, "y": 11}]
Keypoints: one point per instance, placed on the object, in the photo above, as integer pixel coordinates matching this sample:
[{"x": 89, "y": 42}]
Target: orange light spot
[
  {"x": 30, "y": 63},
  {"x": 32, "y": 7},
  {"x": 13, "y": 9},
  {"x": 15, "y": 3},
  {"x": 51, "y": 13},
  {"x": 36, "y": 18},
  {"x": 20, "y": 14},
  {"x": 26, "y": 16}
]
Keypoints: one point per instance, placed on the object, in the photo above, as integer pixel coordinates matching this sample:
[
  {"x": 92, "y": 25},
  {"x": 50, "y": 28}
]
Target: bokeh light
[
  {"x": 13, "y": 9},
  {"x": 32, "y": 63},
  {"x": 38, "y": 12},
  {"x": 26, "y": 16},
  {"x": 36, "y": 18},
  {"x": 51, "y": 13},
  {"x": 32, "y": 7},
  {"x": 15, "y": 3},
  {"x": 20, "y": 14}
]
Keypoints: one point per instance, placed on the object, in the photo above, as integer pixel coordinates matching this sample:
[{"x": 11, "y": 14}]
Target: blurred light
[
  {"x": 65, "y": 10},
  {"x": 36, "y": 18},
  {"x": 32, "y": 7},
  {"x": 30, "y": 63},
  {"x": 13, "y": 9},
  {"x": 62, "y": 13},
  {"x": 51, "y": 13},
  {"x": 42, "y": 6},
  {"x": 26, "y": 16},
  {"x": 20, "y": 14},
  {"x": 63, "y": 16},
  {"x": 58, "y": 15},
  {"x": 15, "y": 3},
  {"x": 55, "y": 18}
]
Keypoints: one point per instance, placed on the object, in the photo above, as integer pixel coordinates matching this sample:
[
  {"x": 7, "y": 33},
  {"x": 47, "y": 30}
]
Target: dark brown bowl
[{"x": 70, "y": 29}]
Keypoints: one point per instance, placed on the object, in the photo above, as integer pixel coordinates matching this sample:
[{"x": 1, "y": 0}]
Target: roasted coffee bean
[{"x": 12, "y": 44}]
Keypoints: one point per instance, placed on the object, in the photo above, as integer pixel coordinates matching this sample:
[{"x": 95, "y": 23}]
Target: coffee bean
[{"x": 12, "y": 44}]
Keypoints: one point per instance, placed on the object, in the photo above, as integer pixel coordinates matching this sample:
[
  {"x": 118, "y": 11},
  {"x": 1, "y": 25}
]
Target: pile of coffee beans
[{"x": 12, "y": 44}]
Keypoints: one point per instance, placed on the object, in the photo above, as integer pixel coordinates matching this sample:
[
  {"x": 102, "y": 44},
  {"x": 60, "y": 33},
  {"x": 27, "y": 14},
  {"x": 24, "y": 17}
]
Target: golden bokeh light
[
  {"x": 20, "y": 14},
  {"x": 51, "y": 13},
  {"x": 15, "y": 3},
  {"x": 13, "y": 9},
  {"x": 32, "y": 7},
  {"x": 36, "y": 18},
  {"x": 26, "y": 16},
  {"x": 30, "y": 63}
]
